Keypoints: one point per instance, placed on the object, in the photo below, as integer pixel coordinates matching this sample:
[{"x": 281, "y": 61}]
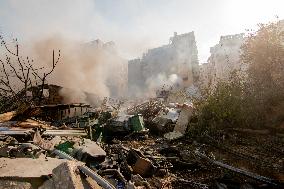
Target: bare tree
[{"x": 18, "y": 74}]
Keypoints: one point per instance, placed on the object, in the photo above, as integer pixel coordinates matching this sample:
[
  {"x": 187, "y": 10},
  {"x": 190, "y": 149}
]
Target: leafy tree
[
  {"x": 254, "y": 99},
  {"x": 263, "y": 53}
]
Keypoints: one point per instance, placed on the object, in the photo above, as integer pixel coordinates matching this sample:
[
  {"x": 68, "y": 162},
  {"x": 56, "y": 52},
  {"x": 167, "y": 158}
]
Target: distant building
[
  {"x": 224, "y": 59},
  {"x": 179, "y": 57}
]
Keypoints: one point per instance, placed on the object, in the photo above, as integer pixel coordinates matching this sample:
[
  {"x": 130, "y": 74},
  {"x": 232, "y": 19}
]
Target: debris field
[{"x": 132, "y": 145}]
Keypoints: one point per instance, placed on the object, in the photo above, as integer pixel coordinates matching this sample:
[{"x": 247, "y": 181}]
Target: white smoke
[{"x": 162, "y": 82}]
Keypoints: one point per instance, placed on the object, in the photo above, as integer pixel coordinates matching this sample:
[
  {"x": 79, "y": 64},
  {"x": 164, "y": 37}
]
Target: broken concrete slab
[
  {"x": 28, "y": 167},
  {"x": 184, "y": 116}
]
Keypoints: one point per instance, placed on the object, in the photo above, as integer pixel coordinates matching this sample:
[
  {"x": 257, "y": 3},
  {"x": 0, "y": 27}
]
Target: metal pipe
[{"x": 100, "y": 180}]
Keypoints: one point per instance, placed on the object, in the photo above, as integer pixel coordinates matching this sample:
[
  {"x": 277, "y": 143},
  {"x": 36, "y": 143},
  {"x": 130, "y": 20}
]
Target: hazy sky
[{"x": 135, "y": 25}]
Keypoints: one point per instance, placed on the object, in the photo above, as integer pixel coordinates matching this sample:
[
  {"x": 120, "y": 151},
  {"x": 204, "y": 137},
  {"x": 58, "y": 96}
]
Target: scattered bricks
[
  {"x": 144, "y": 167},
  {"x": 66, "y": 176}
]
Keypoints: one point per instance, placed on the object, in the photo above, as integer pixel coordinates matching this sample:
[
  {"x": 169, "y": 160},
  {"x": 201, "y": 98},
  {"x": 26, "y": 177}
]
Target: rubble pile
[{"x": 143, "y": 146}]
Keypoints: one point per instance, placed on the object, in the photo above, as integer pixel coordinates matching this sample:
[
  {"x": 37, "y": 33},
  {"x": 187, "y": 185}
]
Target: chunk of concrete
[
  {"x": 27, "y": 167},
  {"x": 67, "y": 176},
  {"x": 90, "y": 152},
  {"x": 184, "y": 116}
]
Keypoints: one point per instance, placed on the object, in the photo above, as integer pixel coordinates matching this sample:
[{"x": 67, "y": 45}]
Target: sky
[{"x": 135, "y": 25}]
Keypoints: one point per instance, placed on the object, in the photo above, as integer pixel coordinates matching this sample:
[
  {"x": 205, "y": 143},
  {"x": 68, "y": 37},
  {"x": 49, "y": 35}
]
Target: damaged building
[
  {"x": 224, "y": 59},
  {"x": 179, "y": 57},
  {"x": 53, "y": 104}
]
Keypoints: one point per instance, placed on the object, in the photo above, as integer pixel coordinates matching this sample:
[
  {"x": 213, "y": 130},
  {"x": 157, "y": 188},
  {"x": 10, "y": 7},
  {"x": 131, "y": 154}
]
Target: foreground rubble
[{"x": 142, "y": 146}]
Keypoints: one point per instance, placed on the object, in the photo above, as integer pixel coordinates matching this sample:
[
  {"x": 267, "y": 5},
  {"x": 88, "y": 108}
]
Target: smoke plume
[
  {"x": 162, "y": 82},
  {"x": 82, "y": 68}
]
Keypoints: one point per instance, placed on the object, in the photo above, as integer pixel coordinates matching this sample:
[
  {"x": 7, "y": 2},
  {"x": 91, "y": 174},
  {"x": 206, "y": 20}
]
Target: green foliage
[
  {"x": 263, "y": 52},
  {"x": 254, "y": 100},
  {"x": 229, "y": 104}
]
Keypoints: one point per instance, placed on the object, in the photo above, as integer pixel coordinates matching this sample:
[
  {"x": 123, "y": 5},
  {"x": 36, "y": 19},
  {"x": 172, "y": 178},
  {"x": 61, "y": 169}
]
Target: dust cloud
[{"x": 83, "y": 68}]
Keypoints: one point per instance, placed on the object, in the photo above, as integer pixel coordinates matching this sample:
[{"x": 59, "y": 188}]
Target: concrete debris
[
  {"x": 183, "y": 119},
  {"x": 67, "y": 176},
  {"x": 89, "y": 152},
  {"x": 45, "y": 144},
  {"x": 145, "y": 145},
  {"x": 20, "y": 167}
]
